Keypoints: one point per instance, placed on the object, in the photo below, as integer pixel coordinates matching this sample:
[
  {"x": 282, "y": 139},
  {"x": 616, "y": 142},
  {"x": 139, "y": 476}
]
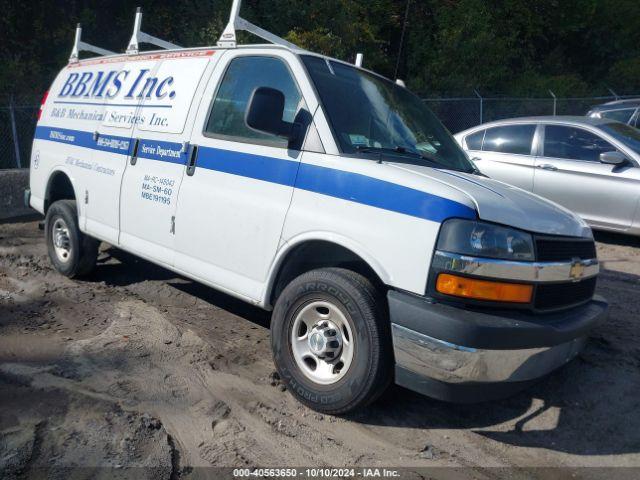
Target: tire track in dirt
[{"x": 183, "y": 375}]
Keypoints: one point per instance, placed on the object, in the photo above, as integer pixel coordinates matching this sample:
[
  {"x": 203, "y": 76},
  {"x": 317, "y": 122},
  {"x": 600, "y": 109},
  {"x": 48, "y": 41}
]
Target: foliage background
[{"x": 507, "y": 47}]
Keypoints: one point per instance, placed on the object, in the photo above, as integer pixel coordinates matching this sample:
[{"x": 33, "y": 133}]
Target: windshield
[
  {"x": 625, "y": 134},
  {"x": 369, "y": 114}
]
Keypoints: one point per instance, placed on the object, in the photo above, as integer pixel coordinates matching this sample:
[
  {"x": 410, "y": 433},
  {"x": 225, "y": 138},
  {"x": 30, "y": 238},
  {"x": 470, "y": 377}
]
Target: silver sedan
[{"x": 588, "y": 165}]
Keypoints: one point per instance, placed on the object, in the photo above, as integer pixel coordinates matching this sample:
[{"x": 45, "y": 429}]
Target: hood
[{"x": 501, "y": 203}]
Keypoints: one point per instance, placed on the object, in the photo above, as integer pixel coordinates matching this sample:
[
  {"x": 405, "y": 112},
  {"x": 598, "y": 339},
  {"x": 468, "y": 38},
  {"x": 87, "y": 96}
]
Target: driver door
[
  {"x": 569, "y": 172},
  {"x": 234, "y": 198}
]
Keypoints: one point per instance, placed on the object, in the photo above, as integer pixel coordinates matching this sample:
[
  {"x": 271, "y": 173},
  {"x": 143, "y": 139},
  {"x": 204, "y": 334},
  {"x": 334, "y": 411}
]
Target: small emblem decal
[{"x": 577, "y": 270}]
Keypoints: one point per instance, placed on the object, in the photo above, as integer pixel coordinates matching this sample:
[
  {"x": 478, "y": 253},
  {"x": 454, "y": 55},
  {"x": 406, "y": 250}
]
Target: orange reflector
[{"x": 483, "y": 289}]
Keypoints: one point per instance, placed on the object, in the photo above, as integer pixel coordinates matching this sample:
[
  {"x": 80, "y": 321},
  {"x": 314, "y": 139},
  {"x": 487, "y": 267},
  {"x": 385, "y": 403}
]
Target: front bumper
[{"x": 466, "y": 356}]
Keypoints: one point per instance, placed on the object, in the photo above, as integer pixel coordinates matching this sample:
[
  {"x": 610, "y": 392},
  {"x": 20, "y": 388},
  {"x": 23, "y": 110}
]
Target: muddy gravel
[{"x": 138, "y": 367}]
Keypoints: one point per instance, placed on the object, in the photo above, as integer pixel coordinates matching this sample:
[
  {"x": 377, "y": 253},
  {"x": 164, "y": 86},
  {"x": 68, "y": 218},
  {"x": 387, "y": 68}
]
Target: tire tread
[
  {"x": 371, "y": 303},
  {"x": 87, "y": 246}
]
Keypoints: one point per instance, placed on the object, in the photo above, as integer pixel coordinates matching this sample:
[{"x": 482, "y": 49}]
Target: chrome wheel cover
[
  {"x": 61, "y": 240},
  {"x": 322, "y": 342}
]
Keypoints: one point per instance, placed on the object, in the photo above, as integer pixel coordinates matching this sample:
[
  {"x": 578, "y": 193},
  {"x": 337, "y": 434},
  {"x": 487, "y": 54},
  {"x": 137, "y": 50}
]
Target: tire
[
  {"x": 334, "y": 296},
  {"x": 75, "y": 254}
]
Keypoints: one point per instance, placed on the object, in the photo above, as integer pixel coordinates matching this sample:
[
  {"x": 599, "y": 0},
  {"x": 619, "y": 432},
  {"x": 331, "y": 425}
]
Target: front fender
[{"x": 287, "y": 246}]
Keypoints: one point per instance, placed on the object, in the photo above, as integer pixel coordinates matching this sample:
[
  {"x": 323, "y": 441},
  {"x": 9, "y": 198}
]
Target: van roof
[
  {"x": 173, "y": 53},
  {"x": 190, "y": 52}
]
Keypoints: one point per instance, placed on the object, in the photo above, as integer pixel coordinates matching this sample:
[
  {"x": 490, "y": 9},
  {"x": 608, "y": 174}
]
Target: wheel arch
[
  {"x": 311, "y": 251},
  {"x": 60, "y": 186}
]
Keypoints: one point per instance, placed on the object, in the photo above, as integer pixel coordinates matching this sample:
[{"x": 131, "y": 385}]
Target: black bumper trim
[{"x": 493, "y": 329}]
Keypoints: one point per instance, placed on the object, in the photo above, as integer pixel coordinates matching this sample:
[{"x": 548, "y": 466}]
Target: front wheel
[
  {"x": 71, "y": 252},
  {"x": 331, "y": 340}
]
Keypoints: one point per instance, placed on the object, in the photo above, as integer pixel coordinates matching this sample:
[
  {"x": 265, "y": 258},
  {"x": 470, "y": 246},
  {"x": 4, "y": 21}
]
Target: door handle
[
  {"x": 547, "y": 166},
  {"x": 134, "y": 153},
  {"x": 193, "y": 158}
]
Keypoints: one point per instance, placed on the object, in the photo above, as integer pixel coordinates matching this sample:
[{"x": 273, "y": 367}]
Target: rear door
[
  {"x": 154, "y": 170},
  {"x": 112, "y": 144},
  {"x": 234, "y": 199},
  {"x": 569, "y": 172},
  {"x": 506, "y": 153}
]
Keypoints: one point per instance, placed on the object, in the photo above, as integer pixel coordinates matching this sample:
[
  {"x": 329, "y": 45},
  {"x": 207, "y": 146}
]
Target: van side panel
[
  {"x": 62, "y": 141},
  {"x": 88, "y": 122}
]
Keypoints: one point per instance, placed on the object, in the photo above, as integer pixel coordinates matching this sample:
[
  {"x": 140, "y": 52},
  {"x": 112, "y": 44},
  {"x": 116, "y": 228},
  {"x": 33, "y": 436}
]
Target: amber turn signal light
[{"x": 483, "y": 289}]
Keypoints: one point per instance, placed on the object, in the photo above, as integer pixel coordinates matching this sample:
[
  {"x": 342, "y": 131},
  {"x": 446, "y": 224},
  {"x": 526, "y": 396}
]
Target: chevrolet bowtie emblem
[{"x": 577, "y": 270}]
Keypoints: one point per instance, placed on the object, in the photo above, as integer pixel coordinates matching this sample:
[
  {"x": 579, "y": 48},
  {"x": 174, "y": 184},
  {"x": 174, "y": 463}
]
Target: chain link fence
[
  {"x": 18, "y": 116},
  {"x": 465, "y": 112}
]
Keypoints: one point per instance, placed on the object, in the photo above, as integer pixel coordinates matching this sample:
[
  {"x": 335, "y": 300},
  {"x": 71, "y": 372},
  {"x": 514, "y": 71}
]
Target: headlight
[{"x": 479, "y": 239}]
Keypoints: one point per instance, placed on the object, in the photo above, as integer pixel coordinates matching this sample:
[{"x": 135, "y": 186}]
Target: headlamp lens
[{"x": 479, "y": 239}]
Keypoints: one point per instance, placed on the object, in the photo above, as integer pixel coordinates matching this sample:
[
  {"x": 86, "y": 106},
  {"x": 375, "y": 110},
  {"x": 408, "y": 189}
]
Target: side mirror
[
  {"x": 265, "y": 111},
  {"x": 613, "y": 158}
]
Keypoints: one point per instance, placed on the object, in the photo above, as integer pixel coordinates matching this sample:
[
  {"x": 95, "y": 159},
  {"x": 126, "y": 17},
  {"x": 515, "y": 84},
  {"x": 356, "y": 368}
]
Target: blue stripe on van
[
  {"x": 105, "y": 143},
  {"x": 379, "y": 193},
  {"x": 335, "y": 183},
  {"x": 258, "y": 167}
]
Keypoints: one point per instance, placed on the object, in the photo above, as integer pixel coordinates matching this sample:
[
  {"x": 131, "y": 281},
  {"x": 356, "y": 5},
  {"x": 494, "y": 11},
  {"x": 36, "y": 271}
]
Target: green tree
[{"x": 513, "y": 47}]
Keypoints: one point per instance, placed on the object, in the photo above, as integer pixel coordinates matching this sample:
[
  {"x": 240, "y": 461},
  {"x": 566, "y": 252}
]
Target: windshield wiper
[
  {"x": 398, "y": 150},
  {"x": 433, "y": 159},
  {"x": 401, "y": 151}
]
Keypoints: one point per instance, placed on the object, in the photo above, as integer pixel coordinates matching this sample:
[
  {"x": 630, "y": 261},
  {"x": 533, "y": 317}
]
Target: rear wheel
[
  {"x": 71, "y": 252},
  {"x": 331, "y": 342}
]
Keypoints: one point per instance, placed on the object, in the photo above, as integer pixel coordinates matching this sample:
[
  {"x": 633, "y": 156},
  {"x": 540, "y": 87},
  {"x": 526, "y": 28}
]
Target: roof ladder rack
[
  {"x": 141, "y": 37},
  {"x": 80, "y": 46},
  {"x": 228, "y": 38}
]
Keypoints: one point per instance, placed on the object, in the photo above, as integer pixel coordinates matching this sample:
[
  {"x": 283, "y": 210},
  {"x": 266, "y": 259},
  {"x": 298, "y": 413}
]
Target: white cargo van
[{"x": 327, "y": 193}]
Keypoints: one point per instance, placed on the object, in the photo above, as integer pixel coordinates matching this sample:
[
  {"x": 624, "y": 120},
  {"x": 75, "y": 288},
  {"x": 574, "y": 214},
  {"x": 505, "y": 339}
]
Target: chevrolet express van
[{"x": 325, "y": 193}]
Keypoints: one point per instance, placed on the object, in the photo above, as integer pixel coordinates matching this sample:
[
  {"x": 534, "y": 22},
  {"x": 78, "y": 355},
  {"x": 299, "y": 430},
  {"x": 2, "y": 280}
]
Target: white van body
[{"x": 122, "y": 129}]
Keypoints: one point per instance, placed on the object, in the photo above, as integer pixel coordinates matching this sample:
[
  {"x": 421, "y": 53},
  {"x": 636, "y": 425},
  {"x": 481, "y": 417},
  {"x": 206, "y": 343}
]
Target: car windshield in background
[
  {"x": 372, "y": 115},
  {"x": 623, "y": 115},
  {"x": 624, "y": 133}
]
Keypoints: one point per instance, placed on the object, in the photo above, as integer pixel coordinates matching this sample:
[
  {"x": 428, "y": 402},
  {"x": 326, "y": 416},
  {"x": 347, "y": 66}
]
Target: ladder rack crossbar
[
  {"x": 228, "y": 38},
  {"x": 80, "y": 46},
  {"x": 139, "y": 37},
  {"x": 242, "y": 24}
]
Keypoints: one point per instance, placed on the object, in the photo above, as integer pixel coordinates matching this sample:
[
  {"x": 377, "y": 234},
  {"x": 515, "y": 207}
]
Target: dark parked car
[{"x": 625, "y": 111}]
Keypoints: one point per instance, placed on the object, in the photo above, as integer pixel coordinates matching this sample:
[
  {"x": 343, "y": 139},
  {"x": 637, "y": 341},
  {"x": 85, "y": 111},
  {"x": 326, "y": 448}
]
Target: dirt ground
[{"x": 136, "y": 366}]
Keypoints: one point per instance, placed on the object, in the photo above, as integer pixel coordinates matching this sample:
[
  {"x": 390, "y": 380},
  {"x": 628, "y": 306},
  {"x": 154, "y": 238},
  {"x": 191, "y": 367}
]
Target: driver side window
[
  {"x": 573, "y": 143},
  {"x": 243, "y": 76}
]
